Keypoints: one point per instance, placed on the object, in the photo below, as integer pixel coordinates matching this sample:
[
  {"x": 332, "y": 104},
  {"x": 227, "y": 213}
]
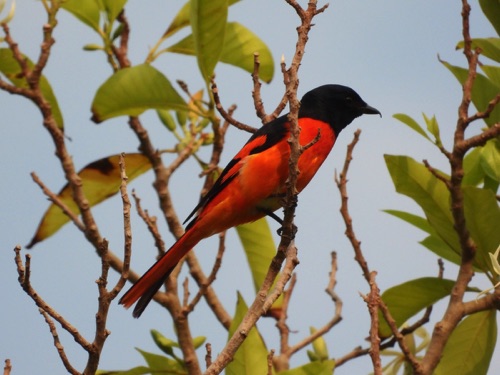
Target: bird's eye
[{"x": 348, "y": 99}]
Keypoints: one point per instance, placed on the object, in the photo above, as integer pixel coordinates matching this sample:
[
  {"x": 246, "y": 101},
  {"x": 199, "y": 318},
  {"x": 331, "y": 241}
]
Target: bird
[{"x": 253, "y": 183}]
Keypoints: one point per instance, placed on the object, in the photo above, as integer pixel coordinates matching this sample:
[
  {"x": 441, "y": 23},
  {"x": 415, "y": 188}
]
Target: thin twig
[
  {"x": 225, "y": 115},
  {"x": 344, "y": 209},
  {"x": 208, "y": 355},
  {"x": 151, "y": 223},
  {"x": 8, "y": 367},
  {"x": 211, "y": 278},
  {"x": 373, "y": 302},
  {"x": 54, "y": 198},
  {"x": 24, "y": 271},
  {"x": 257, "y": 98},
  {"x": 57, "y": 343}
]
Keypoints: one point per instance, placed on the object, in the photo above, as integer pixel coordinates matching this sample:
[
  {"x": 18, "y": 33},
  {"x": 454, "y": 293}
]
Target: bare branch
[
  {"x": 344, "y": 209},
  {"x": 225, "y": 115},
  {"x": 373, "y": 302},
  {"x": 208, "y": 356},
  {"x": 24, "y": 271},
  {"x": 58, "y": 202},
  {"x": 257, "y": 98},
  {"x": 7, "y": 368},
  {"x": 57, "y": 343},
  {"x": 211, "y": 278}
]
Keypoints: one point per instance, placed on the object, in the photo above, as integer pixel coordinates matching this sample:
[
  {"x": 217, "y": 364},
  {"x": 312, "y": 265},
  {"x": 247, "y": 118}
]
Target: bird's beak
[{"x": 368, "y": 110}]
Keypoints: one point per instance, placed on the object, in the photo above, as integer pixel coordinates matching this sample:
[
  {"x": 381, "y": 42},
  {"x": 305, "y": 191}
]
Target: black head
[{"x": 335, "y": 104}]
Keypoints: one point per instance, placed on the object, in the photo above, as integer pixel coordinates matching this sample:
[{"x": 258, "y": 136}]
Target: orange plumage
[{"x": 252, "y": 184}]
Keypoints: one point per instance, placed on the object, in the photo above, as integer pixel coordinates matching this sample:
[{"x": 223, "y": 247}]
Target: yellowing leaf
[
  {"x": 11, "y": 69},
  {"x": 100, "y": 180}
]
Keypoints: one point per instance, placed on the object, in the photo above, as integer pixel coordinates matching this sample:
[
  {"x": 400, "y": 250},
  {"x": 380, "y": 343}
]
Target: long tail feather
[{"x": 146, "y": 287}]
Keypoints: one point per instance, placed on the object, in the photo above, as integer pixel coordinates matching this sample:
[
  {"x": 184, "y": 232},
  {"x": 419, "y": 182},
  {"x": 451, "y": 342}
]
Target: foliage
[
  {"x": 470, "y": 347},
  {"x": 192, "y": 122}
]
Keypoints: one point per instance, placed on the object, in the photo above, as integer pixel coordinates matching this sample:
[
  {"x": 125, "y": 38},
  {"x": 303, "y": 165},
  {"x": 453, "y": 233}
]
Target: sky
[{"x": 387, "y": 51}]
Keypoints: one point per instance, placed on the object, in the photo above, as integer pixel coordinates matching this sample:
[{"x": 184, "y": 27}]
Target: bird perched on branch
[{"x": 253, "y": 183}]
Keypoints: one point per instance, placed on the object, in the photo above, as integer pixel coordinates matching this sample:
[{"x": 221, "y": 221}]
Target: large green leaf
[
  {"x": 414, "y": 180},
  {"x": 412, "y": 124},
  {"x": 483, "y": 91},
  {"x": 407, "y": 299},
  {"x": 132, "y": 91},
  {"x": 251, "y": 357},
  {"x": 87, "y": 11},
  {"x": 490, "y": 47},
  {"x": 432, "y": 242},
  {"x": 240, "y": 45},
  {"x": 208, "y": 22},
  {"x": 159, "y": 364},
  {"x": 113, "y": 8},
  {"x": 473, "y": 172},
  {"x": 491, "y": 9},
  {"x": 182, "y": 19},
  {"x": 100, "y": 180},
  {"x": 492, "y": 72},
  {"x": 482, "y": 216},
  {"x": 139, "y": 370},
  {"x": 313, "y": 368},
  {"x": 470, "y": 346},
  {"x": 259, "y": 247},
  {"x": 490, "y": 159},
  {"x": 11, "y": 69}
]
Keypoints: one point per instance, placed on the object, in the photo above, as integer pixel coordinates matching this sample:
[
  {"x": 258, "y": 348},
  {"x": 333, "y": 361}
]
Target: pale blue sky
[{"x": 385, "y": 50}]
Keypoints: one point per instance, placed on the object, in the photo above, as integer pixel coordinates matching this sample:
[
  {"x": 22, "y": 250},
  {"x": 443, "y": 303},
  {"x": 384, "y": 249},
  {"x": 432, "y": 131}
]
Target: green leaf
[
  {"x": 314, "y": 368},
  {"x": 240, "y": 45},
  {"x": 87, "y": 11},
  {"x": 165, "y": 344},
  {"x": 491, "y": 9},
  {"x": 251, "y": 357},
  {"x": 490, "y": 159},
  {"x": 319, "y": 346},
  {"x": 433, "y": 242},
  {"x": 415, "y": 181},
  {"x": 470, "y": 346},
  {"x": 436, "y": 244},
  {"x": 182, "y": 19},
  {"x": 259, "y": 247},
  {"x": 140, "y": 370},
  {"x": 199, "y": 341},
  {"x": 407, "y": 120},
  {"x": 490, "y": 47},
  {"x": 482, "y": 215},
  {"x": 113, "y": 8},
  {"x": 167, "y": 119},
  {"x": 12, "y": 71},
  {"x": 132, "y": 91},
  {"x": 100, "y": 180},
  {"x": 161, "y": 364},
  {"x": 433, "y": 128},
  {"x": 483, "y": 91},
  {"x": 407, "y": 299},
  {"x": 492, "y": 72},
  {"x": 413, "y": 219},
  {"x": 208, "y": 22},
  {"x": 473, "y": 172}
]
